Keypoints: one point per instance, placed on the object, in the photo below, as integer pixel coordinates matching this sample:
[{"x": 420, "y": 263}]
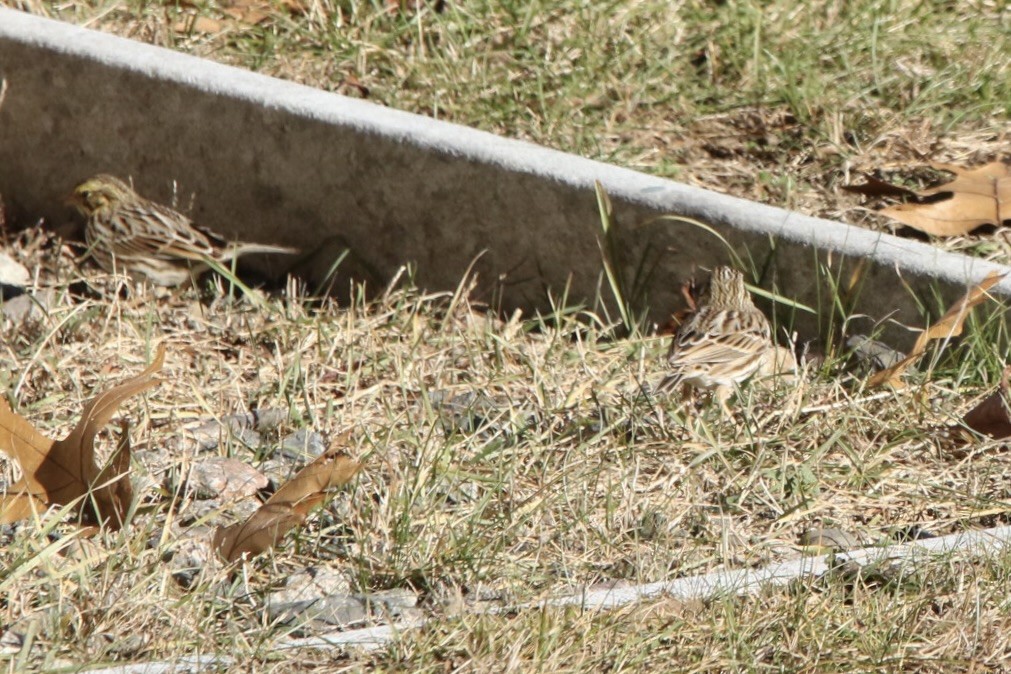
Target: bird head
[
  {"x": 727, "y": 290},
  {"x": 99, "y": 194}
]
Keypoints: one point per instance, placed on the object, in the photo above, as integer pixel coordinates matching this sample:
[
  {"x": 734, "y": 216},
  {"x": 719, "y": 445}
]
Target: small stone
[
  {"x": 190, "y": 554},
  {"x": 829, "y": 538},
  {"x": 465, "y": 412},
  {"x": 302, "y": 444},
  {"x": 207, "y": 436},
  {"x": 23, "y": 632},
  {"x": 316, "y": 594},
  {"x": 260, "y": 421},
  {"x": 225, "y": 478},
  {"x": 872, "y": 354},
  {"x": 203, "y": 510},
  {"x": 651, "y": 525},
  {"x": 121, "y": 645},
  {"x": 126, "y": 645},
  {"x": 12, "y": 272},
  {"x": 391, "y": 603},
  {"x": 278, "y": 471},
  {"x": 11, "y": 642},
  {"x": 25, "y": 308},
  {"x": 268, "y": 419}
]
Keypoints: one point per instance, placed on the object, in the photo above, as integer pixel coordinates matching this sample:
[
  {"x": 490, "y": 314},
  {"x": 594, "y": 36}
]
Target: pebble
[
  {"x": 830, "y": 538},
  {"x": 225, "y": 478},
  {"x": 25, "y": 308},
  {"x": 245, "y": 427},
  {"x": 316, "y": 594},
  {"x": 394, "y": 602},
  {"x": 873, "y": 354},
  {"x": 12, "y": 273},
  {"x": 302, "y": 444},
  {"x": 190, "y": 554}
]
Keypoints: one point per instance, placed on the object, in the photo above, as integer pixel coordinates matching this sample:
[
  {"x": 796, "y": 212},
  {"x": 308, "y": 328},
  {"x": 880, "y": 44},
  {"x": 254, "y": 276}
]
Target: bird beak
[{"x": 74, "y": 199}]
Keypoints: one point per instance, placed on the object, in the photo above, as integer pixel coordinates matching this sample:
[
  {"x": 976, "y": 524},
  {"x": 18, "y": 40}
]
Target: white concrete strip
[
  {"x": 368, "y": 638},
  {"x": 190, "y": 664},
  {"x": 746, "y": 581}
]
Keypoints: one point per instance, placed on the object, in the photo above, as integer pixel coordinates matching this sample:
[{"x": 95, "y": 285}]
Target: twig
[{"x": 846, "y": 403}]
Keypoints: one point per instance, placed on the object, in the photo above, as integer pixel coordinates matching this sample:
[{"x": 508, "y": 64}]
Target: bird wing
[
  {"x": 724, "y": 345},
  {"x": 169, "y": 236}
]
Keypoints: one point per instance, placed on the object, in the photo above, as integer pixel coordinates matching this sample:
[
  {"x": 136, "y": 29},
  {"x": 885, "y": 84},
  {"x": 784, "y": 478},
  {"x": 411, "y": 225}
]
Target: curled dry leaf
[
  {"x": 60, "y": 472},
  {"x": 949, "y": 325},
  {"x": 289, "y": 505},
  {"x": 976, "y": 197}
]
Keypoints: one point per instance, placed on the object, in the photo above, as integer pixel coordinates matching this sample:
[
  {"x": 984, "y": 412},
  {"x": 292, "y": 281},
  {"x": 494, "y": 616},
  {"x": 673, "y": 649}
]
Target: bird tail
[
  {"x": 238, "y": 250},
  {"x": 668, "y": 383}
]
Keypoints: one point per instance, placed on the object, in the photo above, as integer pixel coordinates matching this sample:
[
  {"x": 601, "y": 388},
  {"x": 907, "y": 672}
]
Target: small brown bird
[
  {"x": 723, "y": 343},
  {"x": 126, "y": 231}
]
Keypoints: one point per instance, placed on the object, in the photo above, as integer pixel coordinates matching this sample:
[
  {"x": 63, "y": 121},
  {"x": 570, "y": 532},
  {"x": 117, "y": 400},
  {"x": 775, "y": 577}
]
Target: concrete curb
[
  {"x": 748, "y": 581},
  {"x": 274, "y": 161}
]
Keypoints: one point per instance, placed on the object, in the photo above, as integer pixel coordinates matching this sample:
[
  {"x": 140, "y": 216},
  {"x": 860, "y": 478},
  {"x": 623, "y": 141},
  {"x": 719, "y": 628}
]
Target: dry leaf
[
  {"x": 949, "y": 325},
  {"x": 199, "y": 24},
  {"x": 979, "y": 196},
  {"x": 62, "y": 471},
  {"x": 289, "y": 505},
  {"x": 254, "y": 12},
  {"x": 991, "y": 416},
  {"x": 352, "y": 83},
  {"x": 247, "y": 13},
  {"x": 690, "y": 293}
]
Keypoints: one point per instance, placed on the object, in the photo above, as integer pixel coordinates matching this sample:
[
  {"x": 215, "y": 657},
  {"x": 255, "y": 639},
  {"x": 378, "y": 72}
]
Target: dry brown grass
[
  {"x": 557, "y": 476},
  {"x": 570, "y": 480}
]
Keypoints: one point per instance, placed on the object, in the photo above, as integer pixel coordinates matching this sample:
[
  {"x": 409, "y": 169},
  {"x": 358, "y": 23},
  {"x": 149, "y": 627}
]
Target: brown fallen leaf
[
  {"x": 992, "y": 416},
  {"x": 976, "y": 197},
  {"x": 254, "y": 12},
  {"x": 289, "y": 505},
  {"x": 690, "y": 293},
  {"x": 247, "y": 13},
  {"x": 949, "y": 325},
  {"x": 60, "y": 472},
  {"x": 199, "y": 24},
  {"x": 352, "y": 84}
]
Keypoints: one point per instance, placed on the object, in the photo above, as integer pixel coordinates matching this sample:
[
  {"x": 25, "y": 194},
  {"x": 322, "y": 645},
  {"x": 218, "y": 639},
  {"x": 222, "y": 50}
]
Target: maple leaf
[
  {"x": 63, "y": 472},
  {"x": 949, "y": 325},
  {"x": 289, "y": 506}
]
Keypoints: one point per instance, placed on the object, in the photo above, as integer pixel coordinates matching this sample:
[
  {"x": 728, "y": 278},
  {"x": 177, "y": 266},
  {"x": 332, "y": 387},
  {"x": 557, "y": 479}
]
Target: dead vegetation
[{"x": 503, "y": 459}]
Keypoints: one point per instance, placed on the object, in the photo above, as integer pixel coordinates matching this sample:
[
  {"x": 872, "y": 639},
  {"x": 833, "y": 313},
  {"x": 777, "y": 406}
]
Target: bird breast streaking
[
  {"x": 126, "y": 231},
  {"x": 723, "y": 343}
]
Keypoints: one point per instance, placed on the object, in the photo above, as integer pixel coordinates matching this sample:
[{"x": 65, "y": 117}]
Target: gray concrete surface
[{"x": 272, "y": 161}]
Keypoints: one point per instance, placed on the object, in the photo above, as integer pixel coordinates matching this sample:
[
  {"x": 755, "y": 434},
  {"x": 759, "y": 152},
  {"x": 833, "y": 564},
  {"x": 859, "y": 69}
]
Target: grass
[{"x": 506, "y": 460}]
